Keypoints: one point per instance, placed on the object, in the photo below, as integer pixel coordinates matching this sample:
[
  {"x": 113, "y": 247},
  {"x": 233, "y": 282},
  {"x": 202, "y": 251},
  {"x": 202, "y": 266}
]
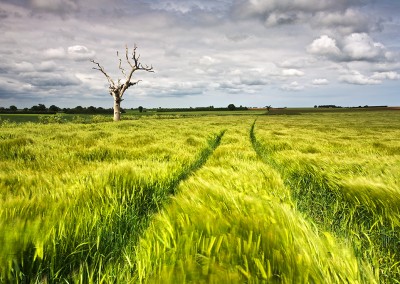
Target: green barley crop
[
  {"x": 234, "y": 221},
  {"x": 72, "y": 196},
  {"x": 311, "y": 198},
  {"x": 343, "y": 170}
]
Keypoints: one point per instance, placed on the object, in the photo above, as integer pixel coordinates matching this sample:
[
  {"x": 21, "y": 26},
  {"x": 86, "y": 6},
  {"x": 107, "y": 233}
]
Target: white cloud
[
  {"x": 360, "y": 46},
  {"x": 353, "y": 47},
  {"x": 167, "y": 88},
  {"x": 324, "y": 46},
  {"x": 297, "y": 62},
  {"x": 199, "y": 71},
  {"x": 55, "y": 53},
  {"x": 293, "y": 86},
  {"x": 55, "y": 6},
  {"x": 47, "y": 66},
  {"x": 321, "y": 81},
  {"x": 390, "y": 75},
  {"x": 245, "y": 80},
  {"x": 292, "y": 72},
  {"x": 93, "y": 82},
  {"x": 347, "y": 22},
  {"x": 208, "y": 60},
  {"x": 188, "y": 6},
  {"x": 24, "y": 67},
  {"x": 356, "y": 78},
  {"x": 80, "y": 52}
]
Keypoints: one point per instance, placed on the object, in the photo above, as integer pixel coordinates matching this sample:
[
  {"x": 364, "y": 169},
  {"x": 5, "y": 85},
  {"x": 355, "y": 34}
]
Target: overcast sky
[{"x": 204, "y": 52}]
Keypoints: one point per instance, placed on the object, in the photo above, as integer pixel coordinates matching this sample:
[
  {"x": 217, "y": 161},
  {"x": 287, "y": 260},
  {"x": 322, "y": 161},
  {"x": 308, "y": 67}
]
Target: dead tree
[{"x": 118, "y": 89}]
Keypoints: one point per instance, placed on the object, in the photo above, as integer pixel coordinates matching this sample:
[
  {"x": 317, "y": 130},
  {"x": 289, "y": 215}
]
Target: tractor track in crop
[
  {"x": 329, "y": 209},
  {"x": 199, "y": 162},
  {"x": 107, "y": 241}
]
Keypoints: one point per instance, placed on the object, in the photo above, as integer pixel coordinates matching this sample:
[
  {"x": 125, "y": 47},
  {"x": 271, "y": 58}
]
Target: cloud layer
[
  {"x": 353, "y": 47},
  {"x": 204, "y": 52}
]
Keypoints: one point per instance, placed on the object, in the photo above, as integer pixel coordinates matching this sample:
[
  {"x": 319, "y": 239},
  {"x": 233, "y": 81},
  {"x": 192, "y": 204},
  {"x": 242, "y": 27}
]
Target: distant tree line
[
  {"x": 209, "y": 108},
  {"x": 327, "y": 106},
  {"x": 334, "y": 106},
  {"x": 42, "y": 109},
  {"x": 367, "y": 106},
  {"x": 53, "y": 109}
]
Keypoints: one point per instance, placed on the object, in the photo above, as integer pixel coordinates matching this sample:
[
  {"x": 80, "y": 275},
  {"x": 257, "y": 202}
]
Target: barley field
[{"x": 310, "y": 198}]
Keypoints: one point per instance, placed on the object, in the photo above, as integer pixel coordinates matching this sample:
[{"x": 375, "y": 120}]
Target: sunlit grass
[
  {"x": 344, "y": 172},
  {"x": 312, "y": 198},
  {"x": 72, "y": 195},
  {"x": 234, "y": 221}
]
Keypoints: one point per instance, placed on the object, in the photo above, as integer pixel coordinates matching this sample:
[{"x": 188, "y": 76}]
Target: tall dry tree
[{"x": 118, "y": 89}]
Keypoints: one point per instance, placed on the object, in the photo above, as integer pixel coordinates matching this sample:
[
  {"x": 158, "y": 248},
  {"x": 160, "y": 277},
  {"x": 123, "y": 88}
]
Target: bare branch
[
  {"x": 135, "y": 58},
  {"x": 136, "y": 66},
  {"x": 128, "y": 84},
  {"x": 127, "y": 57},
  {"x": 120, "y": 66},
  {"x": 101, "y": 69},
  {"x": 134, "y": 83},
  {"x": 117, "y": 90},
  {"x": 146, "y": 68}
]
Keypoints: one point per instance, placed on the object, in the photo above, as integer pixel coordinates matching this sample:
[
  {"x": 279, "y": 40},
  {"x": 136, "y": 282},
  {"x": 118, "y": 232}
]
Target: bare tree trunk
[
  {"x": 117, "y": 89},
  {"x": 117, "y": 108}
]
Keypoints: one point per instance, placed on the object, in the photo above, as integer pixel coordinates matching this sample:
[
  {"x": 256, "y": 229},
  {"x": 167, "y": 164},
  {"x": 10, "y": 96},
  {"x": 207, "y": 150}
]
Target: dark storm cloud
[
  {"x": 50, "y": 80},
  {"x": 48, "y": 6},
  {"x": 3, "y": 14},
  {"x": 13, "y": 89},
  {"x": 343, "y": 15},
  {"x": 6, "y": 91}
]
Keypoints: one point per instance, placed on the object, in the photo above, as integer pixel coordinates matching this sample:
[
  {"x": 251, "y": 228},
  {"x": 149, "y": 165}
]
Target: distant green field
[
  {"x": 19, "y": 117},
  {"x": 134, "y": 114},
  {"x": 295, "y": 111},
  {"x": 129, "y": 115},
  {"x": 215, "y": 113},
  {"x": 54, "y": 118},
  {"x": 209, "y": 198}
]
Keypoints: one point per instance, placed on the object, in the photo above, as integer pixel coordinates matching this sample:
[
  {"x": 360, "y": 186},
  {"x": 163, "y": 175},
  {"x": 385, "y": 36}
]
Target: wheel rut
[{"x": 324, "y": 202}]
